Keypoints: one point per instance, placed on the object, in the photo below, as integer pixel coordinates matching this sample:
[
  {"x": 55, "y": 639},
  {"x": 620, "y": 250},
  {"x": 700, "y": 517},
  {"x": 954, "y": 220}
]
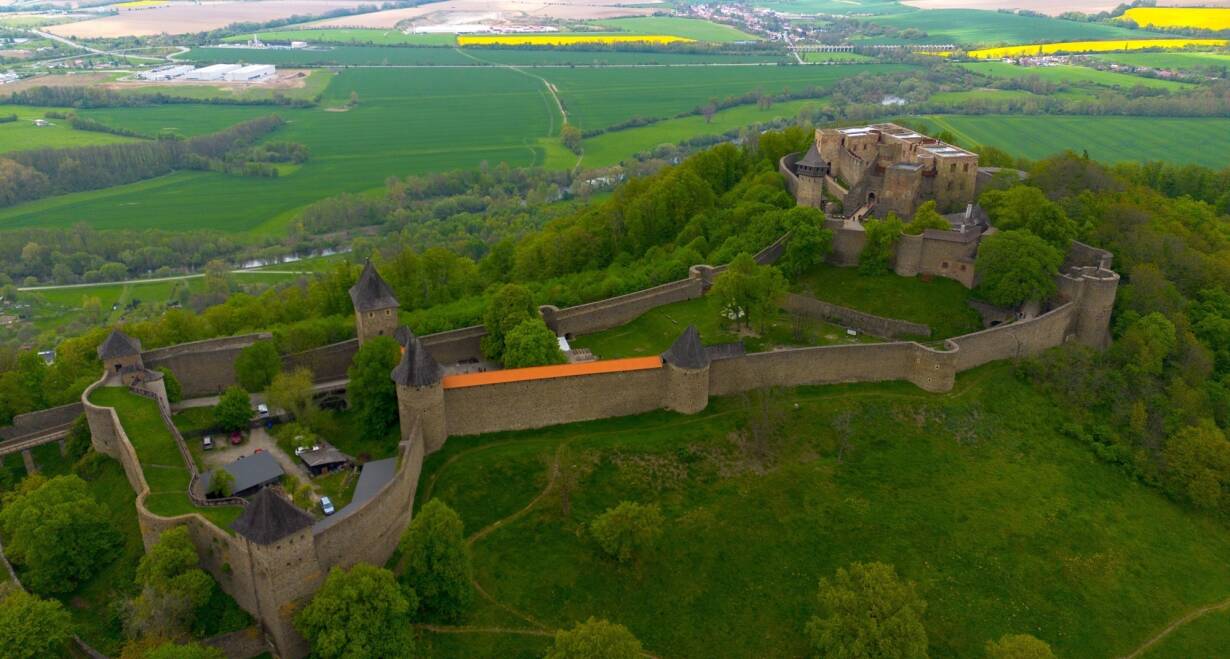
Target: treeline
[
  {"x": 98, "y": 97},
  {"x": 1158, "y": 401},
  {"x": 43, "y": 172},
  {"x": 93, "y": 125}
]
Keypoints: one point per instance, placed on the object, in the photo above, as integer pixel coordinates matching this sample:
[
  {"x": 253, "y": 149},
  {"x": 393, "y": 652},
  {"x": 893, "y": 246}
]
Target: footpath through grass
[
  {"x": 940, "y": 303},
  {"x": 1006, "y": 525},
  {"x": 161, "y": 462}
]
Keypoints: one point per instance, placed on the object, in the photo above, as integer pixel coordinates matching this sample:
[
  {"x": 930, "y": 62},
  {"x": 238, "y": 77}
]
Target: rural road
[{"x": 35, "y": 289}]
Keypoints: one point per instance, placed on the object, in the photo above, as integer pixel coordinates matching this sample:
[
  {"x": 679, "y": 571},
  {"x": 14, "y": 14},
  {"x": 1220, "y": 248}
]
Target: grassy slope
[
  {"x": 1109, "y": 139},
  {"x": 655, "y": 331},
  {"x": 22, "y": 134},
  {"x": 1006, "y": 525},
  {"x": 1208, "y": 636},
  {"x": 1187, "y": 61},
  {"x": 940, "y": 303},
  {"x": 600, "y": 98},
  {"x": 689, "y": 28},
  {"x": 161, "y": 462},
  {"x": 1066, "y": 74},
  {"x": 973, "y": 27}
]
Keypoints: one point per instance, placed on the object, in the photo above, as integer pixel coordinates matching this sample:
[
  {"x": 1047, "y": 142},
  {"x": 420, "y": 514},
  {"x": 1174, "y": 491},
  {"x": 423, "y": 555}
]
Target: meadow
[
  {"x": 435, "y": 56},
  {"x": 688, "y": 28},
  {"x": 1068, "y": 74},
  {"x": 836, "y": 57},
  {"x": 1204, "y": 18},
  {"x": 1006, "y": 525},
  {"x": 1138, "y": 43},
  {"x": 1181, "y": 61},
  {"x": 349, "y": 36},
  {"x": 566, "y": 39},
  {"x": 23, "y": 134},
  {"x": 1198, "y": 141},
  {"x": 972, "y": 27}
]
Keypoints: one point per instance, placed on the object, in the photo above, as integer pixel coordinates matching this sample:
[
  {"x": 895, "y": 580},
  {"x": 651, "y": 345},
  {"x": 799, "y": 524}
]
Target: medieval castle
[{"x": 275, "y": 556}]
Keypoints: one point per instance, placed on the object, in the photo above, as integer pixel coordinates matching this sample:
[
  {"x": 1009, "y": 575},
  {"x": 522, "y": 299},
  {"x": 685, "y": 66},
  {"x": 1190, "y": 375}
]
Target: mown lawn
[
  {"x": 160, "y": 459},
  {"x": 940, "y": 303},
  {"x": 655, "y": 331},
  {"x": 1006, "y": 525}
]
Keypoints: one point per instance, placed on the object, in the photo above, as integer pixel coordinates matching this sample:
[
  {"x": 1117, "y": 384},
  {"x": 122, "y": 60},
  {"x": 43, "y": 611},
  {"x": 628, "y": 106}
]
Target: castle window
[
  {"x": 965, "y": 167},
  {"x": 943, "y": 265},
  {"x": 953, "y": 167},
  {"x": 371, "y": 314},
  {"x": 388, "y": 312}
]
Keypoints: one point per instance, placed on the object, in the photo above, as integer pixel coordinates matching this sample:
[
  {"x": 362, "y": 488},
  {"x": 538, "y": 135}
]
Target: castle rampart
[
  {"x": 616, "y": 311},
  {"x": 327, "y": 363},
  {"x": 890, "y": 328},
  {"x": 41, "y": 421},
  {"x": 203, "y": 368}
]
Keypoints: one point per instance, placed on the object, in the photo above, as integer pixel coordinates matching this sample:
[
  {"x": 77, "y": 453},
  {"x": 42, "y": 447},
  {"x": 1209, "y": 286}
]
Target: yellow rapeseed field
[
  {"x": 1217, "y": 18},
  {"x": 1090, "y": 47},
  {"x": 140, "y": 4},
  {"x": 564, "y": 39}
]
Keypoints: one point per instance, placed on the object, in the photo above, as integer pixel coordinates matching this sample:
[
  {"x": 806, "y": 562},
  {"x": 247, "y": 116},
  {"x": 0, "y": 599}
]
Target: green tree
[
  {"x": 509, "y": 307},
  {"x": 359, "y": 613},
  {"x": 868, "y": 612},
  {"x": 1027, "y": 207},
  {"x": 809, "y": 241},
  {"x": 1198, "y": 465},
  {"x": 437, "y": 562},
  {"x": 221, "y": 483},
  {"x": 747, "y": 292},
  {"x": 79, "y": 440},
  {"x": 1019, "y": 646},
  {"x": 175, "y": 392},
  {"x": 187, "y": 651},
  {"x": 257, "y": 365},
  {"x": 531, "y": 343},
  {"x": 571, "y": 137},
  {"x": 234, "y": 409},
  {"x": 1016, "y": 267},
  {"x": 926, "y": 217},
  {"x": 595, "y": 639},
  {"x": 1146, "y": 344},
  {"x": 881, "y": 247},
  {"x": 58, "y": 531},
  {"x": 372, "y": 392},
  {"x": 292, "y": 392},
  {"x": 628, "y": 531},
  {"x": 173, "y": 588},
  {"x": 31, "y": 627}
]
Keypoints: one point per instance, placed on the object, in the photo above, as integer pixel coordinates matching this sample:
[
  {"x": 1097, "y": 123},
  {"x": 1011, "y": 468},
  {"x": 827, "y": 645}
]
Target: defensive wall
[
  {"x": 33, "y": 423},
  {"x": 203, "y": 368},
  {"x": 890, "y": 328}
]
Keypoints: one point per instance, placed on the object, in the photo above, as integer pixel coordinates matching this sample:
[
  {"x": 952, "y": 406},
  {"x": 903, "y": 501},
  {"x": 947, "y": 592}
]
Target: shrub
[
  {"x": 628, "y": 531},
  {"x": 437, "y": 561},
  {"x": 595, "y": 639},
  {"x": 866, "y": 612}
]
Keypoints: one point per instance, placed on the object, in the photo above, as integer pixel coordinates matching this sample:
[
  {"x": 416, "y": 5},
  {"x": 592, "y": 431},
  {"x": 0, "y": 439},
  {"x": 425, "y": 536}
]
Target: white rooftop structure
[
  {"x": 212, "y": 72},
  {"x": 250, "y": 73}
]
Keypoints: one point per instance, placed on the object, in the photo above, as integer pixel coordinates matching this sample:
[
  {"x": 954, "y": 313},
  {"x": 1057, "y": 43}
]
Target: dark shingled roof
[
  {"x": 687, "y": 351},
  {"x": 812, "y": 157},
  {"x": 268, "y": 518},
  {"x": 118, "y": 344},
  {"x": 371, "y": 292},
  {"x": 417, "y": 367}
]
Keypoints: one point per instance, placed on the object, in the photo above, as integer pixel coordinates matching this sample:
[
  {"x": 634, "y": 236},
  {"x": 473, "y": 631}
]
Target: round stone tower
[
  {"x": 687, "y": 367},
  {"x": 811, "y": 170},
  {"x": 420, "y": 391}
]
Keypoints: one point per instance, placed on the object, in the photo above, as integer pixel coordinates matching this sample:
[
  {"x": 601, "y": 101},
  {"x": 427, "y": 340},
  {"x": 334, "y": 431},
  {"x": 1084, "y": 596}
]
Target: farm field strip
[
  {"x": 973, "y": 27},
  {"x": 1180, "y": 140},
  {"x": 23, "y": 135},
  {"x": 1205, "y": 18},
  {"x": 1090, "y": 47},
  {"x": 1073, "y": 74},
  {"x": 397, "y": 56},
  {"x": 1192, "y": 61}
]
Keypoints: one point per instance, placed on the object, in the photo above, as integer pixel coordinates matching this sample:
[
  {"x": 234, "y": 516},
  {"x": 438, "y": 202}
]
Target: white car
[
  {"x": 326, "y": 505},
  {"x": 262, "y": 410},
  {"x": 207, "y": 443}
]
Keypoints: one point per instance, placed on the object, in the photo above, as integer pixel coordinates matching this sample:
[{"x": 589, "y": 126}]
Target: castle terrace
[{"x": 545, "y": 372}]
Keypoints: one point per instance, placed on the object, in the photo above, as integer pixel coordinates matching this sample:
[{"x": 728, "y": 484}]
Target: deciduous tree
[
  {"x": 292, "y": 392},
  {"x": 1016, "y": 267},
  {"x": 628, "y": 531},
  {"x": 595, "y": 639},
  {"x": 746, "y": 292},
  {"x": 175, "y": 392},
  {"x": 881, "y": 247},
  {"x": 257, "y": 365},
  {"x": 531, "y": 343},
  {"x": 926, "y": 217},
  {"x": 809, "y": 241},
  {"x": 1027, "y": 207},
  {"x": 868, "y": 612},
  {"x": 31, "y": 627},
  {"x": 234, "y": 409},
  {"x": 372, "y": 392},
  {"x": 360, "y": 612},
  {"x": 437, "y": 562},
  {"x": 511, "y": 305}
]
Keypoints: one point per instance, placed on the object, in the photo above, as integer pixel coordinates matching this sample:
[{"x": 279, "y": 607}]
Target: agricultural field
[
  {"x": 566, "y": 39},
  {"x": 332, "y": 55},
  {"x": 971, "y": 27},
  {"x": 22, "y": 134},
  {"x": 1181, "y": 61},
  {"x": 1204, "y": 18},
  {"x": 836, "y": 7},
  {"x": 570, "y": 57},
  {"x": 311, "y": 85},
  {"x": 688, "y": 28},
  {"x": 1139, "y": 43},
  {"x": 349, "y": 36},
  {"x": 841, "y": 58},
  {"x": 189, "y": 18},
  {"x": 1005, "y": 524},
  {"x": 1073, "y": 75},
  {"x": 600, "y": 98},
  {"x": 1198, "y": 141}
]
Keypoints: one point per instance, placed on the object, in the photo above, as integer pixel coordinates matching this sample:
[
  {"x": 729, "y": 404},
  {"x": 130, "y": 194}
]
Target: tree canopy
[
  {"x": 512, "y": 305},
  {"x": 436, "y": 561},
  {"x": 31, "y": 627},
  {"x": 1019, "y": 646},
  {"x": 292, "y": 393},
  {"x": 809, "y": 241},
  {"x": 360, "y": 612},
  {"x": 1016, "y": 267},
  {"x": 372, "y": 392},
  {"x": 257, "y": 365},
  {"x": 595, "y": 639},
  {"x": 234, "y": 409},
  {"x": 747, "y": 293},
  {"x": 881, "y": 247},
  {"x": 58, "y": 532},
  {"x": 867, "y": 612},
  {"x": 1027, "y": 207},
  {"x": 628, "y": 531},
  {"x": 173, "y": 588},
  {"x": 926, "y": 217},
  {"x": 531, "y": 343}
]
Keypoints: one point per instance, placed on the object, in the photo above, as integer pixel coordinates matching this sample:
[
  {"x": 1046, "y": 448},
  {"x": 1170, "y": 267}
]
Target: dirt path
[{"x": 1186, "y": 618}]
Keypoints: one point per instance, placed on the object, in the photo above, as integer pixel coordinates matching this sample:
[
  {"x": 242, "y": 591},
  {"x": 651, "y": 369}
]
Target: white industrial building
[
  {"x": 250, "y": 73},
  {"x": 212, "y": 72},
  {"x": 166, "y": 72}
]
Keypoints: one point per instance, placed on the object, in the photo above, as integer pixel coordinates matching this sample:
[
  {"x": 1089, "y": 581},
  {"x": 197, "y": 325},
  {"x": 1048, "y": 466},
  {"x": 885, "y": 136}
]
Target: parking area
[{"x": 258, "y": 438}]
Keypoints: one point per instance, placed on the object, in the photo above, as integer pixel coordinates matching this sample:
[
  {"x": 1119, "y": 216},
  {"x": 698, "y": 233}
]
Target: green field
[
  {"x": 1006, "y": 525},
  {"x": 1067, "y": 74},
  {"x": 838, "y": 7},
  {"x": 940, "y": 303},
  {"x": 340, "y": 55},
  {"x": 1207, "y": 636},
  {"x": 184, "y": 120},
  {"x": 611, "y": 148},
  {"x": 974, "y": 27},
  {"x": 836, "y": 57},
  {"x": 1196, "y": 141},
  {"x": 23, "y": 134},
  {"x": 570, "y": 56},
  {"x": 1182, "y": 61},
  {"x": 600, "y": 98},
  {"x": 161, "y": 462},
  {"x": 350, "y": 35},
  {"x": 688, "y": 28}
]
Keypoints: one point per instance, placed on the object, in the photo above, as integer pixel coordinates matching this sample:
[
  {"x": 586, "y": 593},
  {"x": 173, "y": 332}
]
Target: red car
[{"x": 236, "y": 438}]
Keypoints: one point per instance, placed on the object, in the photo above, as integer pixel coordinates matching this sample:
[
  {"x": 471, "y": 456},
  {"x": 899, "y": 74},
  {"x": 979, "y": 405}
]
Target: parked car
[
  {"x": 326, "y": 505},
  {"x": 236, "y": 438},
  {"x": 259, "y": 450},
  {"x": 262, "y": 410},
  {"x": 207, "y": 443}
]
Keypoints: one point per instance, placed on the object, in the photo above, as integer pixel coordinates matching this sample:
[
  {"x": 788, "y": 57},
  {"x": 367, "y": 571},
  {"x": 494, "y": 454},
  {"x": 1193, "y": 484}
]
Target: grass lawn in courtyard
[
  {"x": 1005, "y": 524},
  {"x": 940, "y": 302}
]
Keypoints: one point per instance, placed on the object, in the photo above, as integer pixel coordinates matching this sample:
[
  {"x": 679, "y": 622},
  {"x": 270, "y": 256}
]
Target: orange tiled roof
[{"x": 558, "y": 371}]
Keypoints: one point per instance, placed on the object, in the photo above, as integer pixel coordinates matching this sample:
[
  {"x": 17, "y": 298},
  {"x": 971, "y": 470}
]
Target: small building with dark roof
[
  {"x": 687, "y": 351},
  {"x": 119, "y": 351},
  {"x": 251, "y": 474},
  {"x": 324, "y": 460},
  {"x": 269, "y": 517},
  {"x": 375, "y": 305}
]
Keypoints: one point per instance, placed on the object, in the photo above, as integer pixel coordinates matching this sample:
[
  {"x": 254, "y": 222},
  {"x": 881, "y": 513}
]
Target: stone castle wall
[
  {"x": 1019, "y": 339},
  {"x": 203, "y": 368},
  {"x": 327, "y": 363},
  {"x": 617, "y": 311},
  {"x": 890, "y": 328},
  {"x": 41, "y": 421},
  {"x": 456, "y": 345},
  {"x": 872, "y": 362}
]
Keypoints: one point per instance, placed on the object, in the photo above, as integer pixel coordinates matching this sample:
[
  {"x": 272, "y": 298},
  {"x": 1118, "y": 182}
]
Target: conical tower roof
[
  {"x": 687, "y": 351},
  {"x": 118, "y": 344},
  {"x": 417, "y": 367},
  {"x": 269, "y": 518},
  {"x": 812, "y": 158},
  {"x": 371, "y": 292}
]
